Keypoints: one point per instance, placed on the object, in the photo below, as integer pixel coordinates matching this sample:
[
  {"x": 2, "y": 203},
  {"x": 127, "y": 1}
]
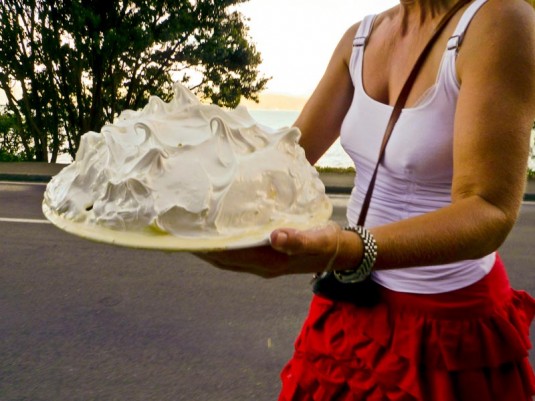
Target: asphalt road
[{"x": 84, "y": 321}]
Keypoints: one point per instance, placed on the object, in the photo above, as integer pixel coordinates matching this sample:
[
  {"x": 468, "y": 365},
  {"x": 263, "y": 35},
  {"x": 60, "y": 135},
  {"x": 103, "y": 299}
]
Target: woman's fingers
[
  {"x": 292, "y": 251},
  {"x": 287, "y": 240},
  {"x": 321, "y": 240},
  {"x": 263, "y": 261}
]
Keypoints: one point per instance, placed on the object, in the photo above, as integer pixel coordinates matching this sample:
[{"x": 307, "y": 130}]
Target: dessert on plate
[{"x": 185, "y": 175}]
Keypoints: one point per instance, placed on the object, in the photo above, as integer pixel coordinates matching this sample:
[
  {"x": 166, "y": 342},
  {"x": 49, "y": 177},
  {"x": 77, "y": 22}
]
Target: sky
[{"x": 297, "y": 37}]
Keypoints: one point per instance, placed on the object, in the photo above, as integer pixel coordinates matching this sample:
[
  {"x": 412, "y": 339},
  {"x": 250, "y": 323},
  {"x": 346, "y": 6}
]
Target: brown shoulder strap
[{"x": 402, "y": 99}]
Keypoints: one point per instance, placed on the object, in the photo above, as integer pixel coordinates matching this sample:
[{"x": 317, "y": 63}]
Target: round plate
[{"x": 166, "y": 242}]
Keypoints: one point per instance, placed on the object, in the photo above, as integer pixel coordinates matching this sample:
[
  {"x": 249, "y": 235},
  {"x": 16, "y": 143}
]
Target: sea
[{"x": 334, "y": 157}]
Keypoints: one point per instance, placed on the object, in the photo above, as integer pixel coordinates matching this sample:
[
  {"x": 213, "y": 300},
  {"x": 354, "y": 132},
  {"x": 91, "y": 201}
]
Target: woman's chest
[
  {"x": 388, "y": 62},
  {"x": 420, "y": 147}
]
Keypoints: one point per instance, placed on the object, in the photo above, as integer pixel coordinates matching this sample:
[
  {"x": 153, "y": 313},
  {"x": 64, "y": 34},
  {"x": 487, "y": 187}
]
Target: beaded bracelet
[{"x": 364, "y": 270}]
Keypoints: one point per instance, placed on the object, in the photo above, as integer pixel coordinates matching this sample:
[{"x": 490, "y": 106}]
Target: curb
[
  {"x": 330, "y": 189},
  {"x": 335, "y": 183},
  {"x": 25, "y": 177},
  {"x": 338, "y": 190}
]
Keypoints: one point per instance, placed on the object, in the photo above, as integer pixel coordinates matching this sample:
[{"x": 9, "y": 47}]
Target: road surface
[{"x": 85, "y": 321}]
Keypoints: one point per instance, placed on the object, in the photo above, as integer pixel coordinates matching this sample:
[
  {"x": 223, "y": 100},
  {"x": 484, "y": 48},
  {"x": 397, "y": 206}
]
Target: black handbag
[{"x": 366, "y": 293}]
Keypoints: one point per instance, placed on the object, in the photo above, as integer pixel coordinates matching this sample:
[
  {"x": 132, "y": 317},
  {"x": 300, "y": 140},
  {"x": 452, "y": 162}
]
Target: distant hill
[{"x": 273, "y": 101}]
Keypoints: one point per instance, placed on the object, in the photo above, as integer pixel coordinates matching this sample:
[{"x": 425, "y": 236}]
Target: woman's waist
[
  {"x": 398, "y": 203},
  {"x": 483, "y": 297},
  {"x": 477, "y": 298},
  {"x": 435, "y": 280}
]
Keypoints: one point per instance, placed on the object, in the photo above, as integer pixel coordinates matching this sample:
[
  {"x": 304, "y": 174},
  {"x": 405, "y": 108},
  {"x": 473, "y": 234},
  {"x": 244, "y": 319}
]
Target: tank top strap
[
  {"x": 364, "y": 31},
  {"x": 359, "y": 41},
  {"x": 456, "y": 39}
]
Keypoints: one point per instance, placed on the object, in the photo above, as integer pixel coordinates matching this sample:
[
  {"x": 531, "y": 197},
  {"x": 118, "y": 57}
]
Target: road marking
[
  {"x": 22, "y": 183},
  {"x": 26, "y": 221}
]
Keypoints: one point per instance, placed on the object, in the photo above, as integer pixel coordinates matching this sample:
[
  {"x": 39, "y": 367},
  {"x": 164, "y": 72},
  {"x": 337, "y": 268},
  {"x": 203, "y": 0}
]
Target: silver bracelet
[{"x": 364, "y": 270}]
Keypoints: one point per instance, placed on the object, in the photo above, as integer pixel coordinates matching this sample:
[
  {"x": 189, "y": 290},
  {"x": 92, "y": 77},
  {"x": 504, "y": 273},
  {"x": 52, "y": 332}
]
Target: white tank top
[{"x": 416, "y": 175}]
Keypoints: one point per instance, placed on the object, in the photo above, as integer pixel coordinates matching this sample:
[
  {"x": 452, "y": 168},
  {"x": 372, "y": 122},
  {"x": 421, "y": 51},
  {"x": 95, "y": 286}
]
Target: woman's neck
[{"x": 420, "y": 12}]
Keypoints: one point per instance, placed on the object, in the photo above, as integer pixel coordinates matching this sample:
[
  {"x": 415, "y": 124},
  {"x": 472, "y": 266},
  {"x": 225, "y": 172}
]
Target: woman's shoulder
[
  {"x": 345, "y": 45},
  {"x": 349, "y": 35},
  {"x": 502, "y": 16},
  {"x": 509, "y": 8},
  {"x": 379, "y": 18},
  {"x": 501, "y": 30}
]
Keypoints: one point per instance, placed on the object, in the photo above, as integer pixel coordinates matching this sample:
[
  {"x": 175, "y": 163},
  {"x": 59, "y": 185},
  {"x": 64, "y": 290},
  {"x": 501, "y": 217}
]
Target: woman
[{"x": 447, "y": 326}]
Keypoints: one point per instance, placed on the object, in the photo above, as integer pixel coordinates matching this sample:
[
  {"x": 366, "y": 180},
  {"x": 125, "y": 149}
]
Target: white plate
[{"x": 166, "y": 242}]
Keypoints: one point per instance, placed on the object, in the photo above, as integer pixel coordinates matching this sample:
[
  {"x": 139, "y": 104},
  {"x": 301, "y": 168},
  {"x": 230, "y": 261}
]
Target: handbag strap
[{"x": 402, "y": 100}]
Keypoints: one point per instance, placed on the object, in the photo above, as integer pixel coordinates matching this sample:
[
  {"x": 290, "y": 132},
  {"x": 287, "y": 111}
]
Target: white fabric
[{"x": 416, "y": 174}]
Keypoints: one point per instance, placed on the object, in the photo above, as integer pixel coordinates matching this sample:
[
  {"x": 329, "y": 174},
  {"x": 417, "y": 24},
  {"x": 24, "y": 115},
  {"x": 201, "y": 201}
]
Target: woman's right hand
[{"x": 293, "y": 251}]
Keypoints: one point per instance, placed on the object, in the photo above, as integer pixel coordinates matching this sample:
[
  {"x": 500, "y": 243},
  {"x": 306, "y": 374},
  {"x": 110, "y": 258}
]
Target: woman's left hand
[{"x": 290, "y": 251}]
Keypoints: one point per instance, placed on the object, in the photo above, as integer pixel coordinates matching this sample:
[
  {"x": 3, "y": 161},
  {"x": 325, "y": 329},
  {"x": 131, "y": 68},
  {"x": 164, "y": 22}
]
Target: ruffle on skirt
[{"x": 467, "y": 345}]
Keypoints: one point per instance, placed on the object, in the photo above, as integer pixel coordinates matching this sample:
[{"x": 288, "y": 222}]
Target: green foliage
[
  {"x": 337, "y": 170},
  {"x": 10, "y": 143},
  {"x": 69, "y": 66},
  {"x": 8, "y": 157}
]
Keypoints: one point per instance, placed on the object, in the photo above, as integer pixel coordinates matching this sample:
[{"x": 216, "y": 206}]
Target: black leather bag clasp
[{"x": 366, "y": 293}]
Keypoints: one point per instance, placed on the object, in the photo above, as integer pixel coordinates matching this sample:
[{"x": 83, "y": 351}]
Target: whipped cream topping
[{"x": 189, "y": 170}]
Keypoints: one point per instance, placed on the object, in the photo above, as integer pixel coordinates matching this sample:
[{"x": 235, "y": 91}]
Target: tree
[
  {"x": 10, "y": 140},
  {"x": 69, "y": 66}
]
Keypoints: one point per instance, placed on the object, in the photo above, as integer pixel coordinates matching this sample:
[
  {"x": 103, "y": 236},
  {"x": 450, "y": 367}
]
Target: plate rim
[{"x": 168, "y": 242}]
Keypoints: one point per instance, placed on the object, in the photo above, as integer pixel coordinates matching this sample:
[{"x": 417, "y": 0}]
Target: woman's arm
[
  {"x": 321, "y": 118},
  {"x": 495, "y": 113}
]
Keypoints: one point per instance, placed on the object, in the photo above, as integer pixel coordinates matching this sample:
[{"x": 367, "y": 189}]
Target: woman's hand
[{"x": 290, "y": 251}]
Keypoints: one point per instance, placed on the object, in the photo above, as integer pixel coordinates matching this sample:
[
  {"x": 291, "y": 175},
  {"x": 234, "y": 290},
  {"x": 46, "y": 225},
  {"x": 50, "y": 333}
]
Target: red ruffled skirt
[{"x": 466, "y": 345}]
